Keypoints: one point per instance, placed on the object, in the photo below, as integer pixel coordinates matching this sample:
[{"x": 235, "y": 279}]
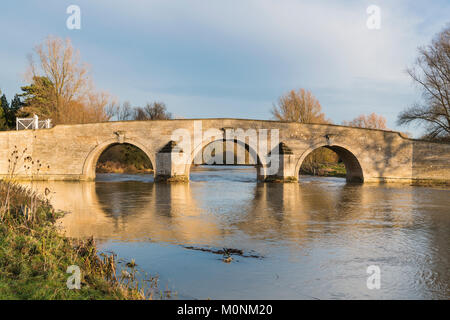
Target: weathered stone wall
[
  {"x": 71, "y": 151},
  {"x": 431, "y": 161}
]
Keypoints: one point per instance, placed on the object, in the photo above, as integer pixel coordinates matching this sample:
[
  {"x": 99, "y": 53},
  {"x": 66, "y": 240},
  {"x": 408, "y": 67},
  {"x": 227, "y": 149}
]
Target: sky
[{"x": 234, "y": 58}]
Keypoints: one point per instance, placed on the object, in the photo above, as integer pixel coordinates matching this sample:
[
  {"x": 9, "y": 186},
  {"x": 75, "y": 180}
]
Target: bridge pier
[
  {"x": 172, "y": 167},
  {"x": 286, "y": 166},
  {"x": 169, "y": 168}
]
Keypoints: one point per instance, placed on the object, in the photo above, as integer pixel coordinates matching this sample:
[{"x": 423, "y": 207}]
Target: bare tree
[
  {"x": 152, "y": 111},
  {"x": 431, "y": 72},
  {"x": 302, "y": 106},
  {"x": 120, "y": 112},
  {"x": 60, "y": 64},
  {"x": 125, "y": 112},
  {"x": 299, "y": 106},
  {"x": 139, "y": 114},
  {"x": 372, "y": 121},
  {"x": 59, "y": 78},
  {"x": 96, "y": 104}
]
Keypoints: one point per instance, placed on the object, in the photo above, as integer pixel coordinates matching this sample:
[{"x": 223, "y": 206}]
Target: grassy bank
[{"x": 35, "y": 255}]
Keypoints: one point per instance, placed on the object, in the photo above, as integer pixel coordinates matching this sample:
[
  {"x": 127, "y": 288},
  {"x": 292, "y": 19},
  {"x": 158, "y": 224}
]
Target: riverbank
[
  {"x": 325, "y": 170},
  {"x": 35, "y": 255},
  {"x": 124, "y": 158},
  {"x": 118, "y": 167}
]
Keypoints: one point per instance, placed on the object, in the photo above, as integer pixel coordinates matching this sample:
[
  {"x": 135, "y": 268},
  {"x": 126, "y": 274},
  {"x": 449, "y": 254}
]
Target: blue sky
[{"x": 207, "y": 58}]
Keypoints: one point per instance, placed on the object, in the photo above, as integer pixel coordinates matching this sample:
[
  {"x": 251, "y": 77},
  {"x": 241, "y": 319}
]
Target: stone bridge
[{"x": 71, "y": 152}]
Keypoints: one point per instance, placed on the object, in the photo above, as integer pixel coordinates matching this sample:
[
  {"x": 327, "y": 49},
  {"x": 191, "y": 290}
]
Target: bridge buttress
[
  {"x": 170, "y": 166},
  {"x": 286, "y": 166}
]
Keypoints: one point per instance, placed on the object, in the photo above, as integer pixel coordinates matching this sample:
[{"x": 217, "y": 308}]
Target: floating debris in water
[
  {"x": 225, "y": 252},
  {"x": 227, "y": 259}
]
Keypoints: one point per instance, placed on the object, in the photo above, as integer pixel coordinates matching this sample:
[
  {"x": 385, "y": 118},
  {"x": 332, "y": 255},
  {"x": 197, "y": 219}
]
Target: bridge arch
[
  {"x": 353, "y": 167},
  {"x": 91, "y": 160},
  {"x": 260, "y": 168}
]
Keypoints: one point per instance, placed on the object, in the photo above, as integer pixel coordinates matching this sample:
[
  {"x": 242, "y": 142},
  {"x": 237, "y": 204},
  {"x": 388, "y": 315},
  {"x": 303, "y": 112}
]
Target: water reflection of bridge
[{"x": 184, "y": 213}]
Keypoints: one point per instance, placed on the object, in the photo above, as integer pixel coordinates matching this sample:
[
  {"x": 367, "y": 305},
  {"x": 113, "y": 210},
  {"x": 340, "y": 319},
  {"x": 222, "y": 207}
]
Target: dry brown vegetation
[
  {"x": 371, "y": 121},
  {"x": 299, "y": 106},
  {"x": 118, "y": 167},
  {"x": 61, "y": 87},
  {"x": 35, "y": 253},
  {"x": 124, "y": 158}
]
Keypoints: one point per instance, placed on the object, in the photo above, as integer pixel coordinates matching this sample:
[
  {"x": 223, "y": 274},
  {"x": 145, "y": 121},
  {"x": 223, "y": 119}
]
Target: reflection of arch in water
[
  {"x": 93, "y": 156},
  {"x": 174, "y": 212},
  {"x": 355, "y": 172},
  {"x": 131, "y": 210},
  {"x": 254, "y": 156},
  {"x": 84, "y": 216},
  {"x": 168, "y": 213},
  {"x": 123, "y": 200},
  {"x": 301, "y": 212},
  {"x": 276, "y": 213}
]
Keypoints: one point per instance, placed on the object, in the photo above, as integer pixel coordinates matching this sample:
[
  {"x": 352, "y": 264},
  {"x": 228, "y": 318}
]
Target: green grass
[{"x": 35, "y": 254}]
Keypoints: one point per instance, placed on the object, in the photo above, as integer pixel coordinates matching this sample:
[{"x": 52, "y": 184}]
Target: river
[{"x": 309, "y": 240}]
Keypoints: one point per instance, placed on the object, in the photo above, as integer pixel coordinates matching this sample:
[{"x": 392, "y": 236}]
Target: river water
[{"x": 309, "y": 240}]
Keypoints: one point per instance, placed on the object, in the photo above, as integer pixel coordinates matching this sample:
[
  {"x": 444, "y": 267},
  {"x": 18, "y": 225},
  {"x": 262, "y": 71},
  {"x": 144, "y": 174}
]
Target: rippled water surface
[{"x": 308, "y": 240}]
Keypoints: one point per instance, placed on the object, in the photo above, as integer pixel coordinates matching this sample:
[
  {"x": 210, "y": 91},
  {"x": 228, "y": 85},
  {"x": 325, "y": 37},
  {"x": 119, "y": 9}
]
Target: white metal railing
[{"x": 32, "y": 123}]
